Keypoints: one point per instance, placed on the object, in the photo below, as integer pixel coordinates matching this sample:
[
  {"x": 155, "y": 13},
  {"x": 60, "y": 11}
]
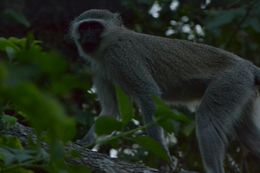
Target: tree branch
[{"x": 96, "y": 161}]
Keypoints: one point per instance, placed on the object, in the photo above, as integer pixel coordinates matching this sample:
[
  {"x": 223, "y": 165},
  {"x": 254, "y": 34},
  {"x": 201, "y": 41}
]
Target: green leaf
[
  {"x": 6, "y": 156},
  {"x": 65, "y": 83},
  {"x": 31, "y": 43},
  {"x": 164, "y": 112},
  {"x": 12, "y": 45},
  {"x": 10, "y": 52},
  {"x": 41, "y": 109},
  {"x": 188, "y": 129},
  {"x": 5, "y": 43},
  {"x": 10, "y": 141},
  {"x": 10, "y": 156},
  {"x": 17, "y": 16},
  {"x": 7, "y": 120},
  {"x": 45, "y": 62},
  {"x": 3, "y": 73},
  {"x": 106, "y": 125},
  {"x": 126, "y": 108},
  {"x": 18, "y": 170},
  {"x": 77, "y": 168},
  {"x": 152, "y": 146}
]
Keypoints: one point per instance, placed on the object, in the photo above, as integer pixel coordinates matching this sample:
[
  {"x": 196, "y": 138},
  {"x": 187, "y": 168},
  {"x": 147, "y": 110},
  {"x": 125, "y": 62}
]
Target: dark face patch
[{"x": 90, "y": 35}]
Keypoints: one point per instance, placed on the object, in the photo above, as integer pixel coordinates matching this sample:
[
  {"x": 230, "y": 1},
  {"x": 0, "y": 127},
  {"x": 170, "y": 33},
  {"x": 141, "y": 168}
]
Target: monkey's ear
[{"x": 90, "y": 35}]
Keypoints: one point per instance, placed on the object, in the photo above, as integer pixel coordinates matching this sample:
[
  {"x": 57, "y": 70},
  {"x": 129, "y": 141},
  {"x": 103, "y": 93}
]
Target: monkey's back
[
  {"x": 185, "y": 56},
  {"x": 189, "y": 66},
  {"x": 176, "y": 65}
]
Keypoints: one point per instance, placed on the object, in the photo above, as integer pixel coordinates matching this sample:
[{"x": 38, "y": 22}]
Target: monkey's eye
[{"x": 91, "y": 26}]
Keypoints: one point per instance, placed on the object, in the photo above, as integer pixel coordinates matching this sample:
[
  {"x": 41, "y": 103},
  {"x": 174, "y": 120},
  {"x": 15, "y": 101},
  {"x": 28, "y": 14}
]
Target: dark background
[{"x": 233, "y": 25}]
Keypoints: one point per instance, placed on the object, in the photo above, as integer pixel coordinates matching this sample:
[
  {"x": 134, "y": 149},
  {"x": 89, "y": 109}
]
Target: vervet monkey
[{"x": 177, "y": 71}]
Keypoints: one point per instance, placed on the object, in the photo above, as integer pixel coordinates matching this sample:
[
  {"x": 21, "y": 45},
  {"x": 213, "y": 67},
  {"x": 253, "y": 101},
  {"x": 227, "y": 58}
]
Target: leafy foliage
[
  {"x": 25, "y": 93},
  {"x": 53, "y": 94}
]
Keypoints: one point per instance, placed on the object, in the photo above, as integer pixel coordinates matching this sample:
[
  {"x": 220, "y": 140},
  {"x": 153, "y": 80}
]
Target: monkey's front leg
[
  {"x": 107, "y": 98},
  {"x": 148, "y": 109},
  {"x": 154, "y": 130}
]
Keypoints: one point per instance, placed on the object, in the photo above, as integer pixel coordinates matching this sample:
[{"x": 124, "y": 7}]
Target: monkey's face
[
  {"x": 90, "y": 35},
  {"x": 88, "y": 28}
]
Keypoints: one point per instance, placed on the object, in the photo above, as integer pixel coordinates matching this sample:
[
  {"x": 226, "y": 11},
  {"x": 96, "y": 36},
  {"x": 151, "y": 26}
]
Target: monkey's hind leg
[
  {"x": 219, "y": 112},
  {"x": 248, "y": 130}
]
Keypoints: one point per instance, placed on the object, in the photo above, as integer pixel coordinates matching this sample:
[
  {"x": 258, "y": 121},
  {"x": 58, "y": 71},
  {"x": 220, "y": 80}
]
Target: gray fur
[{"x": 177, "y": 71}]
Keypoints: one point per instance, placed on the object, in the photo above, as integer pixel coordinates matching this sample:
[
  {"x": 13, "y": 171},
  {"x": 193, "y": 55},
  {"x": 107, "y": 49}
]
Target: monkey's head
[{"x": 87, "y": 29}]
